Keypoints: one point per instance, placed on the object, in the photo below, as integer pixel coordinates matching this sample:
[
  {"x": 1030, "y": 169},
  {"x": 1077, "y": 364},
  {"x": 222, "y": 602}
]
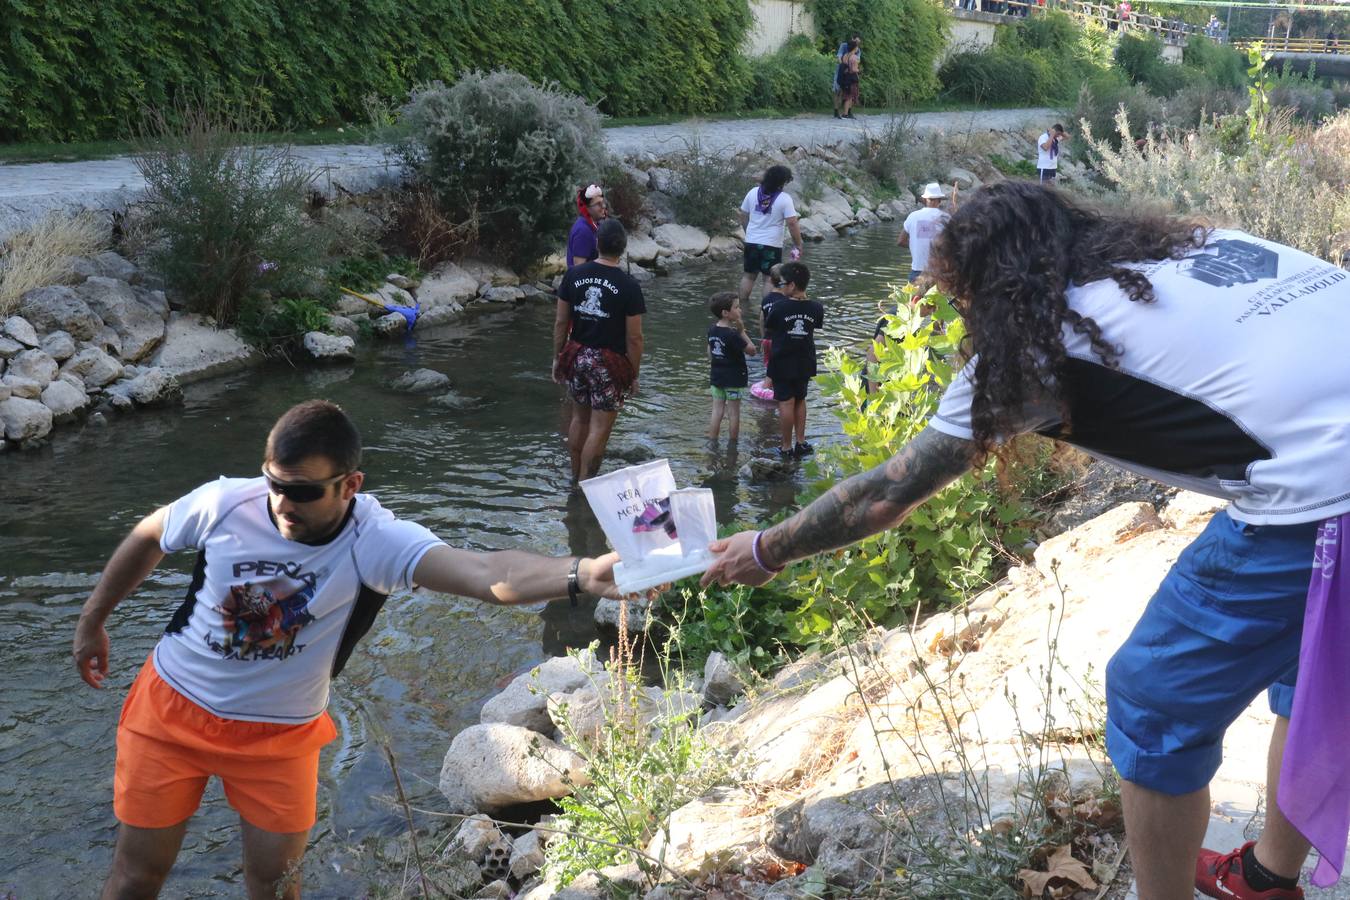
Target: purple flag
[{"x": 1314, "y": 792}]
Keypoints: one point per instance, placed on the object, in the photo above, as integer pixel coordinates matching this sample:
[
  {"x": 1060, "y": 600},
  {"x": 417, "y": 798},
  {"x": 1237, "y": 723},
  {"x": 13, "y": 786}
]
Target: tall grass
[{"x": 43, "y": 254}]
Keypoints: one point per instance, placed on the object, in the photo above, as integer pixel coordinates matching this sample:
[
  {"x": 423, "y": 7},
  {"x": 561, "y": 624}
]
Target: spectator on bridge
[{"x": 1212, "y": 27}]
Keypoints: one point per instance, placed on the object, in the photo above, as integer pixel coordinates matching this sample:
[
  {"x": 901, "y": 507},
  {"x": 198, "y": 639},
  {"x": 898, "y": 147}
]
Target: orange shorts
[{"x": 168, "y": 746}]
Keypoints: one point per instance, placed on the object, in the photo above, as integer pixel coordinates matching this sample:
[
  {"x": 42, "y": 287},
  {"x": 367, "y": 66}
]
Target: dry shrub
[
  {"x": 43, "y": 254},
  {"x": 425, "y": 233},
  {"x": 627, "y": 199}
]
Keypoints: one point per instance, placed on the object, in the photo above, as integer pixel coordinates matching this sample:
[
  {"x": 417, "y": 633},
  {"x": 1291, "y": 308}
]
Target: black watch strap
[{"x": 574, "y": 581}]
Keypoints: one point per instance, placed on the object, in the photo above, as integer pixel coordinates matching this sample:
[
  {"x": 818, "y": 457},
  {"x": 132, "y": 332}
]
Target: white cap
[
  {"x": 593, "y": 191},
  {"x": 934, "y": 191}
]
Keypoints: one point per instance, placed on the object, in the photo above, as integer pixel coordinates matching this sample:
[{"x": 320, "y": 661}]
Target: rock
[
  {"x": 524, "y": 702},
  {"x": 25, "y": 388},
  {"x": 112, "y": 265},
  {"x": 485, "y": 272},
  {"x": 490, "y": 767},
  {"x": 495, "y": 890},
  {"x": 832, "y": 207},
  {"x": 964, "y": 178},
  {"x": 866, "y": 216},
  {"x": 4, "y": 394},
  {"x": 642, "y": 249},
  {"x": 9, "y": 348},
  {"x": 18, "y": 328},
  {"x": 607, "y": 613},
  {"x": 502, "y": 295},
  {"x": 447, "y": 284},
  {"x": 475, "y": 835},
  {"x": 813, "y": 228},
  {"x": 721, "y": 681},
  {"x": 402, "y": 282},
  {"x": 439, "y": 315},
  {"x": 898, "y": 208},
  {"x": 139, "y": 324},
  {"x": 329, "y": 347},
  {"x": 392, "y": 295},
  {"x": 421, "y": 381},
  {"x": 534, "y": 292},
  {"x": 94, "y": 366},
  {"x": 59, "y": 308},
  {"x": 527, "y": 856},
  {"x": 107, "y": 340},
  {"x": 662, "y": 207},
  {"x": 662, "y": 179},
  {"x": 59, "y": 345},
  {"x": 390, "y": 325},
  {"x": 34, "y": 365},
  {"x": 553, "y": 264},
  {"x": 723, "y": 247},
  {"x": 25, "y": 420},
  {"x": 341, "y": 326},
  {"x": 763, "y": 468},
  {"x": 676, "y": 239},
  {"x": 64, "y": 400},
  {"x": 152, "y": 387},
  {"x": 641, "y": 274},
  {"x": 725, "y": 825},
  {"x": 194, "y": 349},
  {"x": 457, "y": 402}
]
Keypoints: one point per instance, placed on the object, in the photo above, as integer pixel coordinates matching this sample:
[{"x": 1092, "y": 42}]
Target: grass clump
[{"x": 43, "y": 254}]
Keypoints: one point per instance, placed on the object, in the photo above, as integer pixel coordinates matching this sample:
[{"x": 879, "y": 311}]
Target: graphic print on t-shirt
[
  {"x": 262, "y": 621},
  {"x": 1232, "y": 262},
  {"x": 590, "y": 304},
  {"x": 716, "y": 347}
]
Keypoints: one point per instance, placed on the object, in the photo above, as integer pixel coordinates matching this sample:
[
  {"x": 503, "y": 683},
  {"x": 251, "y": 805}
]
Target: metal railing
[
  {"x": 1297, "y": 45},
  {"x": 1108, "y": 15}
]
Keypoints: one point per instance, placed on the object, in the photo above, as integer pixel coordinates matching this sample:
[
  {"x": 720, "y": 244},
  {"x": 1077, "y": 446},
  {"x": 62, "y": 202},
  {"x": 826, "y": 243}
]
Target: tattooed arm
[{"x": 852, "y": 510}]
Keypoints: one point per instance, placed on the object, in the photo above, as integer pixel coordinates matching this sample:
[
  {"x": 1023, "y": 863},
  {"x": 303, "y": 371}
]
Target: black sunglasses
[{"x": 301, "y": 491}]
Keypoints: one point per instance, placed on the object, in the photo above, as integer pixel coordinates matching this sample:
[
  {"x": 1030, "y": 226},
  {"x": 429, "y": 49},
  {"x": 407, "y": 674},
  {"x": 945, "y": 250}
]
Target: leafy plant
[
  {"x": 795, "y": 76},
  {"x": 1013, "y": 168},
  {"x": 277, "y": 326}
]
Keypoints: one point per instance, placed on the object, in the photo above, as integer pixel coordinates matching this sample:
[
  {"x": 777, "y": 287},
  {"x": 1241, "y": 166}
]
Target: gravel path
[{"x": 30, "y": 190}]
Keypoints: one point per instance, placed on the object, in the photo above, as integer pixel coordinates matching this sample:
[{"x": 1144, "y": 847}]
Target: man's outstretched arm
[
  {"x": 509, "y": 577},
  {"x": 850, "y": 511}
]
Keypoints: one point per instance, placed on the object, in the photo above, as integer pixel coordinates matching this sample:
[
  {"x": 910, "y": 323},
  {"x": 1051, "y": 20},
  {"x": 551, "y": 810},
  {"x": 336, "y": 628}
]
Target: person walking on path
[
  {"x": 597, "y": 346},
  {"x": 792, "y": 323},
  {"x": 292, "y": 568},
  {"x": 1047, "y": 152},
  {"x": 764, "y": 212},
  {"x": 591, "y": 211},
  {"x": 850, "y": 68},
  {"x": 730, "y": 376},
  {"x": 921, "y": 227},
  {"x": 839, "y": 68},
  {"x": 1148, "y": 341}
]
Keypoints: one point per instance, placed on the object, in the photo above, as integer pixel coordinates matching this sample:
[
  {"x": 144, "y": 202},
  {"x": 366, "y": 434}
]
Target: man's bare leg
[
  {"x": 576, "y": 436},
  {"x": 597, "y": 438},
  {"x": 746, "y": 286},
  {"x": 272, "y": 862},
  {"x": 1281, "y": 848},
  {"x": 142, "y": 860},
  {"x": 1165, "y": 833}
]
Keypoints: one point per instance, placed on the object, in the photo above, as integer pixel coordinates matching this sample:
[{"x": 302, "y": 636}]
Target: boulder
[
  {"x": 390, "y": 325},
  {"x": 491, "y": 767},
  {"x": 59, "y": 345},
  {"x": 642, "y": 249},
  {"x": 4, "y": 395},
  {"x": 726, "y": 825},
  {"x": 194, "y": 349},
  {"x": 94, "y": 366},
  {"x": 59, "y": 308},
  {"x": 33, "y": 365},
  {"x": 607, "y": 613},
  {"x": 721, "y": 680},
  {"x": 109, "y": 264},
  {"x": 18, "y": 328},
  {"x": 64, "y": 400},
  {"x": 9, "y": 347},
  {"x": 483, "y": 272},
  {"x": 662, "y": 179},
  {"x": 641, "y": 274},
  {"x": 866, "y": 216},
  {"x": 898, "y": 207},
  {"x": 525, "y": 701},
  {"x": 392, "y": 295},
  {"x": 421, "y": 381},
  {"x": 329, "y": 347},
  {"x": 662, "y": 207},
  {"x": 400, "y": 281},
  {"x": 107, "y": 340},
  {"x": 447, "y": 284},
  {"x": 342, "y": 326},
  {"x": 684, "y": 239},
  {"x": 534, "y": 292},
  {"x": 152, "y": 387},
  {"x": 25, "y": 420},
  {"x": 457, "y": 402},
  {"x": 723, "y": 247},
  {"x": 26, "y": 388},
  {"x": 553, "y": 264},
  {"x": 813, "y": 228},
  {"x": 495, "y": 890},
  {"x": 502, "y": 295},
  {"x": 139, "y": 323},
  {"x": 965, "y": 179},
  {"x": 832, "y": 207},
  {"x": 475, "y": 835},
  {"x": 439, "y": 315},
  {"x": 527, "y": 856}
]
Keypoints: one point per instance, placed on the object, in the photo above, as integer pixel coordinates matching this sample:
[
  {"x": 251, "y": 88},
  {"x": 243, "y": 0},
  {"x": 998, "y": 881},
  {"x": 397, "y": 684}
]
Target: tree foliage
[{"x": 901, "y": 43}]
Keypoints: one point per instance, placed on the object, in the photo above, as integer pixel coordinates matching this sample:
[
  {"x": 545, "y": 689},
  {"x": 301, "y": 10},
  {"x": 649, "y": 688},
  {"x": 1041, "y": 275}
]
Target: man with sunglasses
[{"x": 292, "y": 568}]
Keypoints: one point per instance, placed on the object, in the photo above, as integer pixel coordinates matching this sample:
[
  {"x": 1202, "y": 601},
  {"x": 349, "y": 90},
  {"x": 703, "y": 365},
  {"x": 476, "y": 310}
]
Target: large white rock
[
  {"x": 33, "y": 365},
  {"x": 833, "y": 207},
  {"x": 152, "y": 387},
  {"x": 21, "y": 330},
  {"x": 26, "y": 388},
  {"x": 59, "y": 345},
  {"x": 642, "y": 249},
  {"x": 490, "y": 767},
  {"x": 489, "y": 273},
  {"x": 193, "y": 349},
  {"x": 725, "y": 246},
  {"x": 59, "y": 308},
  {"x": 64, "y": 399},
  {"x": 9, "y": 348},
  {"x": 393, "y": 295},
  {"x": 726, "y": 825},
  {"x": 139, "y": 323},
  {"x": 25, "y": 420},
  {"x": 422, "y": 381},
  {"x": 524, "y": 702},
  {"x": 94, "y": 367},
  {"x": 814, "y": 228},
  {"x": 329, "y": 347},
  {"x": 686, "y": 239},
  {"x": 506, "y": 294},
  {"x": 447, "y": 284}
]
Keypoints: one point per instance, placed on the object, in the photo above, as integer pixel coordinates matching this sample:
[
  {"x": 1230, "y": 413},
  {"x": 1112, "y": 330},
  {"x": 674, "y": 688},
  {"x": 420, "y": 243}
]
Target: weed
[
  {"x": 42, "y": 254},
  {"x": 708, "y": 186}
]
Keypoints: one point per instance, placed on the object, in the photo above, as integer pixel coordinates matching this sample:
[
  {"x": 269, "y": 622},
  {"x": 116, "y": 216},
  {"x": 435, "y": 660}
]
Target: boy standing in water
[
  {"x": 772, "y": 296},
  {"x": 792, "y": 324},
  {"x": 727, "y": 346}
]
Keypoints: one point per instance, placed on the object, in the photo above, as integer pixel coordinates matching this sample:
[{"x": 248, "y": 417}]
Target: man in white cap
[{"x": 921, "y": 226}]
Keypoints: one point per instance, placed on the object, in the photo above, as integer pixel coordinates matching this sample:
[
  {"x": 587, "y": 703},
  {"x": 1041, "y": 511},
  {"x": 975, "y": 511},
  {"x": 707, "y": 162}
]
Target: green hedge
[
  {"x": 797, "y": 76},
  {"x": 901, "y": 40},
  {"x": 76, "y": 70}
]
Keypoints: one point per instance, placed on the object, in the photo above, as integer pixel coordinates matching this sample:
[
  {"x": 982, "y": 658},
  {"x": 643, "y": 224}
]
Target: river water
[{"x": 491, "y": 477}]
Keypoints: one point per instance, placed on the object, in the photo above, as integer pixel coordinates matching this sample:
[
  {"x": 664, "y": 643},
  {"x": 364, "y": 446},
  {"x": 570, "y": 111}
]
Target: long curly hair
[{"x": 1007, "y": 258}]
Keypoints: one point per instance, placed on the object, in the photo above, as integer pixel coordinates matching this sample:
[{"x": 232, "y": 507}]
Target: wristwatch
[{"x": 574, "y": 581}]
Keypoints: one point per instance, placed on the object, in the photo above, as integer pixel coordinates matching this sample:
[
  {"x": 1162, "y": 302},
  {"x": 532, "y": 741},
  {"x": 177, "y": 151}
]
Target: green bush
[
  {"x": 1138, "y": 55},
  {"x": 995, "y": 76},
  {"x": 901, "y": 42},
  {"x": 1222, "y": 66},
  {"x": 1101, "y": 97},
  {"x": 708, "y": 187},
  {"x": 796, "y": 76},
  {"x": 503, "y": 158},
  {"x": 278, "y": 326}
]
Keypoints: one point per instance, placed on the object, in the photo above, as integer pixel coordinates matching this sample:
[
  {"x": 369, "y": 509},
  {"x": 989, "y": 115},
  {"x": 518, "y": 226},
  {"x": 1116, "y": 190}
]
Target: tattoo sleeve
[{"x": 871, "y": 501}]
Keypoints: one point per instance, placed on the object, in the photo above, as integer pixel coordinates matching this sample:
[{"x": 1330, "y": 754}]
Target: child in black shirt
[
  {"x": 727, "y": 346},
  {"x": 791, "y": 324}
]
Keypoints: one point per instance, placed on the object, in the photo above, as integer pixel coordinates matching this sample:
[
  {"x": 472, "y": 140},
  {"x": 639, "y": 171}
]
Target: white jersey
[
  {"x": 1046, "y": 158},
  {"x": 268, "y": 622},
  {"x": 767, "y": 228},
  {"x": 1235, "y": 382},
  {"x": 922, "y": 226}
]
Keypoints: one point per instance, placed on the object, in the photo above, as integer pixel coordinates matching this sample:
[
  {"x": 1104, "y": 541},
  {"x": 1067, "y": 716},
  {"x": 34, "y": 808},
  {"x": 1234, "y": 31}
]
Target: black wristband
[{"x": 573, "y": 582}]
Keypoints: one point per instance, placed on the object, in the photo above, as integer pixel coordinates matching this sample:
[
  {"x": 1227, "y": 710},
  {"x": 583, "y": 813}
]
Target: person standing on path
[
  {"x": 849, "y": 73},
  {"x": 792, "y": 324},
  {"x": 764, "y": 212},
  {"x": 839, "y": 67},
  {"x": 597, "y": 346},
  {"x": 292, "y": 568},
  {"x": 1047, "y": 152},
  {"x": 1146, "y": 341},
  {"x": 591, "y": 211},
  {"x": 921, "y": 227}
]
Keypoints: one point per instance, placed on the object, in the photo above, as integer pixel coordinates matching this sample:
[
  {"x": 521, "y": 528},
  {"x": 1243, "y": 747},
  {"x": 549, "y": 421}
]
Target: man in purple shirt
[{"x": 591, "y": 211}]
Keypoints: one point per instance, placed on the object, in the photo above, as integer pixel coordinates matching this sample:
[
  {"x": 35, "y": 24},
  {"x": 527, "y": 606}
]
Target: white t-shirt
[
  {"x": 1044, "y": 159},
  {"x": 922, "y": 226},
  {"x": 268, "y": 622},
  {"x": 767, "y": 228},
  {"x": 1234, "y": 383}
]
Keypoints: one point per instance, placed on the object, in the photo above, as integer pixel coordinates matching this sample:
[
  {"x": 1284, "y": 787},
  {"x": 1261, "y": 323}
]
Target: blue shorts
[{"x": 1224, "y": 625}]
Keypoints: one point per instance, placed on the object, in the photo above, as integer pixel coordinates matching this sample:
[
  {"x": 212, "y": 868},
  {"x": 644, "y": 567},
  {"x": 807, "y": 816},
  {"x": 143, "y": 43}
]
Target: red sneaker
[{"x": 1220, "y": 875}]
